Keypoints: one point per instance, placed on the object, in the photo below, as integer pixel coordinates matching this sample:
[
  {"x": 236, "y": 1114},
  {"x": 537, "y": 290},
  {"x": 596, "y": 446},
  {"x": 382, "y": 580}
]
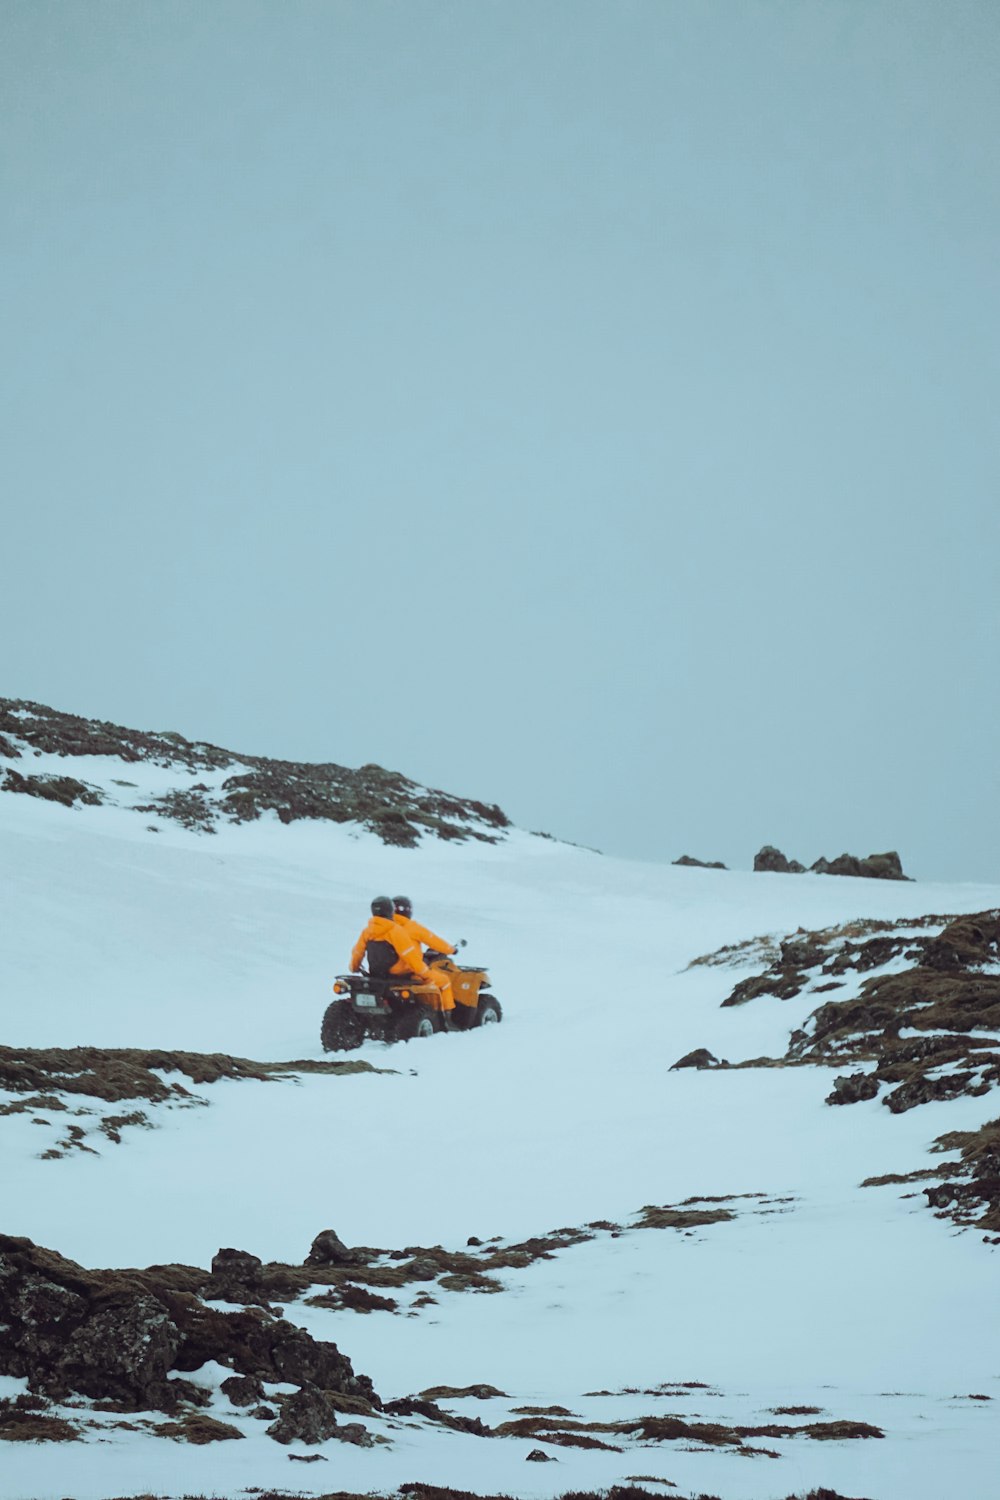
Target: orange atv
[{"x": 398, "y": 1008}]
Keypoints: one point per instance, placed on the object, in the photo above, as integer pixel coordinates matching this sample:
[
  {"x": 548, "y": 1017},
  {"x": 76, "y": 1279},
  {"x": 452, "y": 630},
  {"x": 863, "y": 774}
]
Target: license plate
[{"x": 368, "y": 1001}]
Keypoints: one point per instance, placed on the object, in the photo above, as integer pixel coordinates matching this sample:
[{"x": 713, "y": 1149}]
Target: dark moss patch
[
  {"x": 196, "y": 1427},
  {"x": 479, "y": 1392},
  {"x": 23, "y": 1420},
  {"x": 64, "y": 789},
  {"x": 354, "y": 1299},
  {"x": 681, "y": 1218},
  {"x": 418, "y": 1406},
  {"x": 115, "y": 1074}
]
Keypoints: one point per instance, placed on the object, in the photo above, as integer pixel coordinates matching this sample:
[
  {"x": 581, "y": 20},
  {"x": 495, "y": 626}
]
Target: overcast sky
[{"x": 590, "y": 407}]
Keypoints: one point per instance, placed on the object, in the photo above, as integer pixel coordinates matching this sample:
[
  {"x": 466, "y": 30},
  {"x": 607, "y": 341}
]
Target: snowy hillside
[{"x": 562, "y": 1246}]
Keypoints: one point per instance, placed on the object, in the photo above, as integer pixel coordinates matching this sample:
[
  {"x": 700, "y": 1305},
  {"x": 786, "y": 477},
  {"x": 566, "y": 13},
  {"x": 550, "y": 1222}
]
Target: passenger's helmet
[
  {"x": 403, "y": 905},
  {"x": 382, "y": 906}
]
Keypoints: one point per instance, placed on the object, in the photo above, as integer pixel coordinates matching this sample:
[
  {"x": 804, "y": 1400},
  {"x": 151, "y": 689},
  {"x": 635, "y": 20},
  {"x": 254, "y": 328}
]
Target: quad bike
[{"x": 400, "y": 1008}]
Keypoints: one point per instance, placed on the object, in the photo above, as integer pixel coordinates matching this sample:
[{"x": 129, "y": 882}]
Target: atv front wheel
[
  {"x": 417, "y": 1021},
  {"x": 342, "y": 1028},
  {"x": 488, "y": 1011}
]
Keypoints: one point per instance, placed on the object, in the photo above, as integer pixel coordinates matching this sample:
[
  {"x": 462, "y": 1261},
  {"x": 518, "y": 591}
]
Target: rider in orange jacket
[
  {"x": 420, "y": 934},
  {"x": 409, "y": 959},
  {"x": 404, "y": 917},
  {"x": 382, "y": 929}
]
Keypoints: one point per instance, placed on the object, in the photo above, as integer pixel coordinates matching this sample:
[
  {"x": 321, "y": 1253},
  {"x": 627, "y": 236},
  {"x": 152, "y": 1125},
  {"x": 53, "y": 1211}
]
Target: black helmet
[
  {"x": 382, "y": 906},
  {"x": 403, "y": 905}
]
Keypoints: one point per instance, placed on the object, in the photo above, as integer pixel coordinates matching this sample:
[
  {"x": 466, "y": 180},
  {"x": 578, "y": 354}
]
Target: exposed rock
[
  {"x": 478, "y": 1392},
  {"x": 236, "y": 1277},
  {"x": 700, "y": 864},
  {"x": 771, "y": 859},
  {"x": 799, "y": 954},
  {"x": 328, "y": 1249},
  {"x": 423, "y": 1269},
  {"x": 415, "y": 1406},
  {"x": 964, "y": 943},
  {"x": 243, "y": 1390},
  {"x": 117, "y": 1335},
  {"x": 875, "y": 867},
  {"x": 64, "y": 789},
  {"x": 536, "y": 1456},
  {"x": 398, "y": 810},
  {"x": 116, "y": 1073},
  {"x": 923, "y": 1090},
  {"x": 853, "y": 1088},
  {"x": 699, "y": 1058},
  {"x": 306, "y": 1417}
]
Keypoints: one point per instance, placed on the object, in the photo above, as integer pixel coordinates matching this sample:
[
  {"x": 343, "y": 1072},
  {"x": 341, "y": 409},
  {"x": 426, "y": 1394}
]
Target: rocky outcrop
[
  {"x": 875, "y": 867},
  {"x": 948, "y": 990},
  {"x": 130, "y": 1336},
  {"x": 398, "y": 810},
  {"x": 310, "y": 1416},
  {"x": 771, "y": 859},
  {"x": 700, "y": 864},
  {"x": 699, "y": 1058},
  {"x": 328, "y": 1249}
]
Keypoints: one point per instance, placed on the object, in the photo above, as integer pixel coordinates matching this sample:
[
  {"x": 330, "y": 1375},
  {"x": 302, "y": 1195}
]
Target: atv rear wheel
[
  {"x": 342, "y": 1028},
  {"x": 488, "y": 1011},
  {"x": 417, "y": 1021}
]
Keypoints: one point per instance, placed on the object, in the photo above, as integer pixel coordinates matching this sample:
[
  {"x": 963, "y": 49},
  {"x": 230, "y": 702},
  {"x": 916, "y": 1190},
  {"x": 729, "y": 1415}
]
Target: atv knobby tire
[
  {"x": 342, "y": 1028},
  {"x": 417, "y": 1021},
  {"x": 488, "y": 1011}
]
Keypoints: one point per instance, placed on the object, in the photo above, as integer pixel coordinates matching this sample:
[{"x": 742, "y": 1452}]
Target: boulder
[
  {"x": 771, "y": 859},
  {"x": 328, "y": 1249},
  {"x": 236, "y": 1277},
  {"x": 308, "y": 1416},
  {"x": 699, "y": 1058},
  {"x": 852, "y": 1088},
  {"x": 243, "y": 1390}
]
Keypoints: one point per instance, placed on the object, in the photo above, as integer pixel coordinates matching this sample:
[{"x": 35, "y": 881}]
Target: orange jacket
[
  {"x": 384, "y": 930},
  {"x": 423, "y": 934}
]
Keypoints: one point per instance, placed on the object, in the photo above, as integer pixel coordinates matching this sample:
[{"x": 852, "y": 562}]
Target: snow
[{"x": 854, "y": 1300}]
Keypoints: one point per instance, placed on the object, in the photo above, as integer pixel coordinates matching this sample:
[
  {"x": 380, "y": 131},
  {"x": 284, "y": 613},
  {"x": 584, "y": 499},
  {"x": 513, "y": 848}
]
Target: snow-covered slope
[{"x": 810, "y": 1291}]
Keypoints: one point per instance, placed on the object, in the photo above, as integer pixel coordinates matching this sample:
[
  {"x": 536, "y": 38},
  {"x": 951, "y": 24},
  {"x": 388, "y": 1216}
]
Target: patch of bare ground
[
  {"x": 48, "y": 1077},
  {"x": 196, "y": 1427},
  {"x": 462, "y": 1392},
  {"x": 668, "y": 1388},
  {"x": 672, "y": 1429},
  {"x": 23, "y": 1420}
]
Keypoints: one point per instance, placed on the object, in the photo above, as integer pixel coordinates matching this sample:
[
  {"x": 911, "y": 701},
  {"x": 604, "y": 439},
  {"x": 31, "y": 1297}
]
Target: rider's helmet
[
  {"x": 382, "y": 906},
  {"x": 403, "y": 905}
]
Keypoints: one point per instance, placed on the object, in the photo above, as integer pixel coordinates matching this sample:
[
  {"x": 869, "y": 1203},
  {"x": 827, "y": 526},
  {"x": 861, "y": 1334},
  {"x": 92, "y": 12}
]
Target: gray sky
[{"x": 585, "y": 406}]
